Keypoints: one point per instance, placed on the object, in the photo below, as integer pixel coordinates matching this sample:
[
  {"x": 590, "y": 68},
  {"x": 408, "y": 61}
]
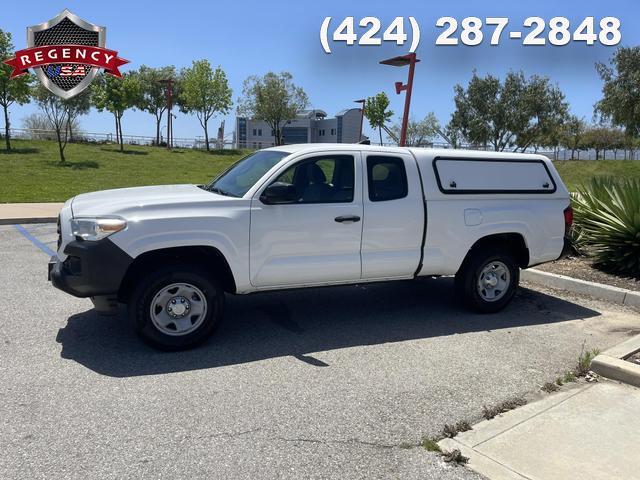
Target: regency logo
[{"x": 66, "y": 53}]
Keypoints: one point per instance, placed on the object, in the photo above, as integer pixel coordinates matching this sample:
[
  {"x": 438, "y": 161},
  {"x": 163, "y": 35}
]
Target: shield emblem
[{"x": 68, "y": 79}]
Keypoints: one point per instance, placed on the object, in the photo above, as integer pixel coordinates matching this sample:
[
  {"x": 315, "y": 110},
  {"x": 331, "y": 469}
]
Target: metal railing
[
  {"x": 198, "y": 143},
  {"x": 108, "y": 138}
]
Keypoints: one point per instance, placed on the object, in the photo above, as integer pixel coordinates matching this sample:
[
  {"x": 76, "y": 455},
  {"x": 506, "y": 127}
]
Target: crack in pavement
[{"x": 352, "y": 441}]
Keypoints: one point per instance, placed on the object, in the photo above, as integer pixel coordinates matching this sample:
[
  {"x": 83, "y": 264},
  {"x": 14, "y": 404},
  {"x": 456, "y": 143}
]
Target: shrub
[{"x": 607, "y": 221}]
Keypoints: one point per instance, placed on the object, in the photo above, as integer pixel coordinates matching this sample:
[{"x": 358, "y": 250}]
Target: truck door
[
  {"x": 394, "y": 216},
  {"x": 316, "y": 238}
]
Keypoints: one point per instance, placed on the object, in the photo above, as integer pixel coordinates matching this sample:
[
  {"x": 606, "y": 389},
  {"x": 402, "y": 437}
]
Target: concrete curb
[
  {"x": 20, "y": 213},
  {"x": 470, "y": 443},
  {"x": 481, "y": 463},
  {"x": 22, "y": 221},
  {"x": 617, "y": 295},
  {"x": 611, "y": 363}
]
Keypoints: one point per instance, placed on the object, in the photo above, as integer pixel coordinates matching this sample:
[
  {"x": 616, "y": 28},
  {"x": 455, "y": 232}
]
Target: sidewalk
[
  {"x": 15, "y": 213},
  {"x": 588, "y": 430}
]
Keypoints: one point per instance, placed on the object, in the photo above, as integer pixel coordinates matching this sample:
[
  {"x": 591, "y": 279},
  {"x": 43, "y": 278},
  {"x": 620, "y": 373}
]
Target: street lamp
[
  {"x": 169, "y": 94},
  {"x": 401, "y": 61},
  {"x": 363, "y": 102}
]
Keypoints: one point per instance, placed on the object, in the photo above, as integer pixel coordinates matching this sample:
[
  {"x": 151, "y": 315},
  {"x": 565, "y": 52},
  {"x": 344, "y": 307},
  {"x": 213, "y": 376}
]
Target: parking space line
[{"x": 34, "y": 240}]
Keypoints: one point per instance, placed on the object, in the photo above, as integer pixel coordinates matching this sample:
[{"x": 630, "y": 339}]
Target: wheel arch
[
  {"x": 202, "y": 255},
  {"x": 514, "y": 242}
]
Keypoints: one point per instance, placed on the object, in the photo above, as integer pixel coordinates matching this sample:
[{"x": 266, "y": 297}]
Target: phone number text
[{"x": 472, "y": 31}]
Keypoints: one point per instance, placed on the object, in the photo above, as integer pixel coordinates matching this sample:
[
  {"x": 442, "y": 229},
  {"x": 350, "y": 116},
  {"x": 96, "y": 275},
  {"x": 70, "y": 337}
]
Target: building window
[
  {"x": 254, "y": 132},
  {"x": 333, "y": 131},
  {"x": 259, "y": 132}
]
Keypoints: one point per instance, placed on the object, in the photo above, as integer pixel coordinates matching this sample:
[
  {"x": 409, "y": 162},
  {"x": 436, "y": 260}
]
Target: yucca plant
[{"x": 607, "y": 223}]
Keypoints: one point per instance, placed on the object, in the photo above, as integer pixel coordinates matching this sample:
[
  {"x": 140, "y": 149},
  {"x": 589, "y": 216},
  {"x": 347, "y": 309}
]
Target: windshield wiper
[{"x": 221, "y": 192}]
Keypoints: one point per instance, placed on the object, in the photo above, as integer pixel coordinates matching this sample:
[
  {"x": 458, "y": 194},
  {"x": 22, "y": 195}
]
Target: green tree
[
  {"x": 452, "y": 134},
  {"x": 116, "y": 95},
  {"x": 518, "y": 111},
  {"x": 273, "y": 99},
  {"x": 61, "y": 114},
  {"x": 377, "y": 112},
  {"x": 12, "y": 90},
  {"x": 601, "y": 138},
  {"x": 205, "y": 92},
  {"x": 572, "y": 135},
  {"x": 153, "y": 98},
  {"x": 419, "y": 132},
  {"x": 546, "y": 111},
  {"x": 621, "y": 90}
]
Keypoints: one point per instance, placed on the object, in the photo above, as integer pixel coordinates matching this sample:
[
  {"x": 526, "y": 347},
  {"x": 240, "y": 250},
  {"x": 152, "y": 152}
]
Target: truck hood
[{"x": 127, "y": 202}]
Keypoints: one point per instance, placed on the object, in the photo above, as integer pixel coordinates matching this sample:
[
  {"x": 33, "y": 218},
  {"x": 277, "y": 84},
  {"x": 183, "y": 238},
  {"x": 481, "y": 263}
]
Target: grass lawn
[
  {"x": 32, "y": 172},
  {"x": 576, "y": 172}
]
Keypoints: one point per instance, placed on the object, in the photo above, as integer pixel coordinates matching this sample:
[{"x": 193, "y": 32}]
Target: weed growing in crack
[
  {"x": 455, "y": 456},
  {"x": 550, "y": 387},
  {"x": 584, "y": 361},
  {"x": 451, "y": 431},
  {"x": 431, "y": 445},
  {"x": 463, "y": 426},
  {"x": 582, "y": 367},
  {"x": 491, "y": 412}
]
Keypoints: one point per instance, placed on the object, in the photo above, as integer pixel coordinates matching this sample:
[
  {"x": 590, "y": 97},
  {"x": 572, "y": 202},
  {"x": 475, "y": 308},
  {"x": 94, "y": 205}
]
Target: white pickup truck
[{"x": 310, "y": 215}]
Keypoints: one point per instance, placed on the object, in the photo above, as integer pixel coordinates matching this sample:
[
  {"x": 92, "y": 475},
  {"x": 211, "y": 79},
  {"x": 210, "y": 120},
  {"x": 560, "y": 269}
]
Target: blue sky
[{"x": 252, "y": 37}]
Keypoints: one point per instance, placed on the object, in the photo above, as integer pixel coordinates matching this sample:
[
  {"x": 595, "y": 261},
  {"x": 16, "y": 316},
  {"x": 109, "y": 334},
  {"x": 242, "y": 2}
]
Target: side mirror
[{"x": 279, "y": 193}]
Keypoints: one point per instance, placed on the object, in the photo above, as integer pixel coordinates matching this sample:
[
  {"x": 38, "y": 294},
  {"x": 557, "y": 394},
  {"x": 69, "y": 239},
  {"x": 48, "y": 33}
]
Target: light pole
[
  {"x": 169, "y": 94},
  {"x": 363, "y": 102},
  {"x": 401, "y": 61}
]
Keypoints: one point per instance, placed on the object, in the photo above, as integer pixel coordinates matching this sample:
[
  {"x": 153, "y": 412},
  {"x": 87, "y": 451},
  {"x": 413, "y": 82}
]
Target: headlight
[{"x": 93, "y": 229}]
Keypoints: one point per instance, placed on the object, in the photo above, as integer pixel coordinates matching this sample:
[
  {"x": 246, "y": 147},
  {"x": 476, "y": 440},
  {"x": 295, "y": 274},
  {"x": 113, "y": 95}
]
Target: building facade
[{"x": 309, "y": 126}]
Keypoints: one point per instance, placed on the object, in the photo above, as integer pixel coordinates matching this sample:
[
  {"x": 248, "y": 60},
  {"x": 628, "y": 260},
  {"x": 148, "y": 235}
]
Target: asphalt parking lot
[{"x": 318, "y": 383}]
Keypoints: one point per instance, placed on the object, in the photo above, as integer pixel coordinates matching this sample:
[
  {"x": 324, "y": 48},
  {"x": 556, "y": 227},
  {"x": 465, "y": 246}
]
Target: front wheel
[
  {"x": 488, "y": 280},
  {"x": 176, "y": 308}
]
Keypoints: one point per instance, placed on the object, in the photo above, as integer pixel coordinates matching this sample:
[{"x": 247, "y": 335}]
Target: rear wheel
[
  {"x": 488, "y": 280},
  {"x": 176, "y": 308}
]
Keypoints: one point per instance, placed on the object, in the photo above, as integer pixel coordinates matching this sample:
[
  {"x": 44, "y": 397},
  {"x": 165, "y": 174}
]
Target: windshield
[{"x": 238, "y": 179}]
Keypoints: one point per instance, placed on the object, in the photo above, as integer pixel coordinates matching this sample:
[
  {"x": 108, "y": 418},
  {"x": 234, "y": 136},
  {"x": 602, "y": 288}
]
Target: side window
[
  {"x": 325, "y": 179},
  {"x": 387, "y": 178}
]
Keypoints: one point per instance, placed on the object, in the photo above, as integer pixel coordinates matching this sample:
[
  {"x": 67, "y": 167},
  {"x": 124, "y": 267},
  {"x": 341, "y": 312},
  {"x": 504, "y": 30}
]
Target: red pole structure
[
  {"x": 363, "y": 102},
  {"x": 407, "y": 99},
  {"x": 411, "y": 60}
]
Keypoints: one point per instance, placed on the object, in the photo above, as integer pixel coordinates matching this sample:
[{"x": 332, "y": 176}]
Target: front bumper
[{"x": 90, "y": 269}]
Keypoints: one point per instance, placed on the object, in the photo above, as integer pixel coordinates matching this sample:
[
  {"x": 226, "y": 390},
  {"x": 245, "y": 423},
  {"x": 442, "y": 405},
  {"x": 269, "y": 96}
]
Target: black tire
[
  {"x": 467, "y": 280},
  {"x": 154, "y": 282}
]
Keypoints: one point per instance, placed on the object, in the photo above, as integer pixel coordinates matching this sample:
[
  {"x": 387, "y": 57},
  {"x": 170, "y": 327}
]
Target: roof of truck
[{"x": 417, "y": 151}]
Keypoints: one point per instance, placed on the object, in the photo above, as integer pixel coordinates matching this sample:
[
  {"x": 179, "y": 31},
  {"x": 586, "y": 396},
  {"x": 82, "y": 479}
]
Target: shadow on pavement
[{"x": 298, "y": 323}]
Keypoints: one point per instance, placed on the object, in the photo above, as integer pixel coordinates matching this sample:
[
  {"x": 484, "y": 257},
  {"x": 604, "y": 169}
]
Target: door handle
[{"x": 347, "y": 218}]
